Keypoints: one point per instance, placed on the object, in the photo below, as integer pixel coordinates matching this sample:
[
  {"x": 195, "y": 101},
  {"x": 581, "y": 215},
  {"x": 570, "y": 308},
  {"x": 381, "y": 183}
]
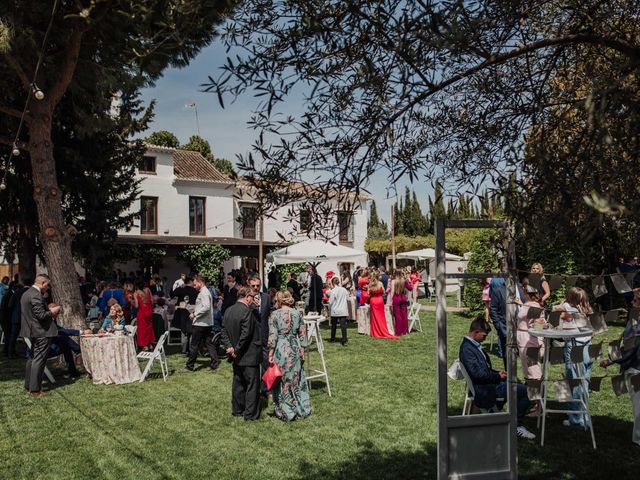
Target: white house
[{"x": 184, "y": 201}]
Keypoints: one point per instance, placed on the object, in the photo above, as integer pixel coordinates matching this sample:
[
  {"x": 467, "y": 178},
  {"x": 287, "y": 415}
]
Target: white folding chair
[
  {"x": 132, "y": 329},
  {"x": 471, "y": 393},
  {"x": 414, "y": 317},
  {"x": 47, "y": 372},
  {"x": 156, "y": 354}
]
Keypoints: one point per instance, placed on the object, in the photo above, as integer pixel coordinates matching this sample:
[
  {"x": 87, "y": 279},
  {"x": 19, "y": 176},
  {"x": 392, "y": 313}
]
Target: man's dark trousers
[
  {"x": 246, "y": 386},
  {"x": 36, "y": 363},
  {"x": 199, "y": 334}
]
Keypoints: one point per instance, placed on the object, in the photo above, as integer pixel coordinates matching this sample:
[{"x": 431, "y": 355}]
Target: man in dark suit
[
  {"x": 262, "y": 307},
  {"x": 241, "y": 338},
  {"x": 294, "y": 287},
  {"x": 229, "y": 292},
  {"x": 38, "y": 325},
  {"x": 490, "y": 384},
  {"x": 315, "y": 290}
]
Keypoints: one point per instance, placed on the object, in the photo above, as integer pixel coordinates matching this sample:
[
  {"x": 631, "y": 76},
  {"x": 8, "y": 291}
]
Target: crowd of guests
[{"x": 531, "y": 303}]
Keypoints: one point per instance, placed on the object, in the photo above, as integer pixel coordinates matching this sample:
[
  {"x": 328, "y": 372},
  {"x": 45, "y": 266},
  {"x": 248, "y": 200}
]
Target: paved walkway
[{"x": 431, "y": 307}]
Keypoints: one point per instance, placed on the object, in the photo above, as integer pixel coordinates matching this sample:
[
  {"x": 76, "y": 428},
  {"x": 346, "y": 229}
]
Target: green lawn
[{"x": 380, "y": 423}]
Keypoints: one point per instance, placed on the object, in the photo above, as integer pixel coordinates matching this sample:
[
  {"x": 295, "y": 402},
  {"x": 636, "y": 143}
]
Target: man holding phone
[{"x": 37, "y": 324}]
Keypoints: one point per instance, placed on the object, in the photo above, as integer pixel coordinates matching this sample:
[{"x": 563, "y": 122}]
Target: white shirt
[
  {"x": 203, "y": 313},
  {"x": 338, "y": 302},
  {"x": 178, "y": 283}
]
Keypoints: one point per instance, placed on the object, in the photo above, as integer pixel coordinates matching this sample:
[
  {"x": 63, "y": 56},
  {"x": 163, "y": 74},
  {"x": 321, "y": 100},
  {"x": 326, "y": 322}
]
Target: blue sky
[{"x": 226, "y": 129}]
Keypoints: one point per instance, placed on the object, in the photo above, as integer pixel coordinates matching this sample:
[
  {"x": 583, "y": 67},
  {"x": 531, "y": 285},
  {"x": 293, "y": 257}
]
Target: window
[
  {"x": 345, "y": 226},
  {"x": 249, "y": 223},
  {"x": 305, "y": 220},
  {"x": 147, "y": 165},
  {"x": 149, "y": 215},
  {"x": 197, "y": 216}
]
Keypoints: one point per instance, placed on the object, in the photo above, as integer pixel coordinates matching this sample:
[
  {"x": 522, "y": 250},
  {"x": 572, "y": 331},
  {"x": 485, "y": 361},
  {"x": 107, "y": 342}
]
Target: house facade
[{"x": 184, "y": 201}]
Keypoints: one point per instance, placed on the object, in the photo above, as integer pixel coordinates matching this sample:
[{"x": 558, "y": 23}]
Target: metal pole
[
  {"x": 197, "y": 121},
  {"x": 441, "y": 335},
  {"x": 261, "y": 251},
  {"x": 512, "y": 396},
  {"x": 393, "y": 236}
]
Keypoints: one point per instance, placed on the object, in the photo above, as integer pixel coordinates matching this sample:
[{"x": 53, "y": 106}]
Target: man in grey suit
[
  {"x": 37, "y": 324},
  {"x": 241, "y": 338}
]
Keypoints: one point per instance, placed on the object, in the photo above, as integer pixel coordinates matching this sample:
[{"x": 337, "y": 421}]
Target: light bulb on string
[
  {"x": 3, "y": 186},
  {"x": 39, "y": 94},
  {"x": 15, "y": 151}
]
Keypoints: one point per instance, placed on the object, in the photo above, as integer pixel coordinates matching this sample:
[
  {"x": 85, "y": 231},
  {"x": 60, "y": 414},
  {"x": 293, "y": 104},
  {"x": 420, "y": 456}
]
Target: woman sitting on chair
[{"x": 115, "y": 317}]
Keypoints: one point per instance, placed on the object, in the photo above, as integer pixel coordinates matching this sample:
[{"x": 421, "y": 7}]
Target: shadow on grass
[
  {"x": 569, "y": 454},
  {"x": 371, "y": 462}
]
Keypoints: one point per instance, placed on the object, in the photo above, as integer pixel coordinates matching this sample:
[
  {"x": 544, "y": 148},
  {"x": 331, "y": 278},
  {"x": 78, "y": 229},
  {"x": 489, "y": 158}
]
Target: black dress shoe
[{"x": 344, "y": 342}]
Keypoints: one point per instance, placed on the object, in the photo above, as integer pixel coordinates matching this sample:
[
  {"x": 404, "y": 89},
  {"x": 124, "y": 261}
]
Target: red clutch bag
[{"x": 272, "y": 376}]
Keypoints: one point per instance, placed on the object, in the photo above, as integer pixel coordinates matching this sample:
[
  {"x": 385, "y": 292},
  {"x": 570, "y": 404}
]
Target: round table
[
  {"x": 567, "y": 335},
  {"x": 110, "y": 358}
]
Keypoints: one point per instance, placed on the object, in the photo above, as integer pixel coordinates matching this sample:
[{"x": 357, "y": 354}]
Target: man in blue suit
[
  {"x": 498, "y": 311},
  {"x": 489, "y": 384}
]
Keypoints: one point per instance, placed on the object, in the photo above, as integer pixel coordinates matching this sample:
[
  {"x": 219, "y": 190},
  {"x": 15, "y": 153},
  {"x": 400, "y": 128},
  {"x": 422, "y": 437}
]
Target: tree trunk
[
  {"x": 56, "y": 238},
  {"x": 27, "y": 255}
]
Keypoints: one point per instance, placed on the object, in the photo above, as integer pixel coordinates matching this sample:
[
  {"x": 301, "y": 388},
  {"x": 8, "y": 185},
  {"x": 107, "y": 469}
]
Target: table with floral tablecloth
[{"x": 110, "y": 358}]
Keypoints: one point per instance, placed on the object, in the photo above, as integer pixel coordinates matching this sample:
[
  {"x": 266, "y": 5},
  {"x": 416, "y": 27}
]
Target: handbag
[{"x": 272, "y": 376}]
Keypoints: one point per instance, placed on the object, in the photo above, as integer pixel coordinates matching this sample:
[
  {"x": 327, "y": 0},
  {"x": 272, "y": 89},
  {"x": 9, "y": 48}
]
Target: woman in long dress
[
  {"x": 287, "y": 343},
  {"x": 143, "y": 303},
  {"x": 399, "y": 287},
  {"x": 377, "y": 316}
]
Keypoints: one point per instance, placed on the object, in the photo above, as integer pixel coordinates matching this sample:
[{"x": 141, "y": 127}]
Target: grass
[{"x": 380, "y": 423}]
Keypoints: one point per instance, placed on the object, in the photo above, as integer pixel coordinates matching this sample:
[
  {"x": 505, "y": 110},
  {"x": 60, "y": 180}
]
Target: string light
[
  {"x": 39, "y": 94},
  {"x": 33, "y": 90}
]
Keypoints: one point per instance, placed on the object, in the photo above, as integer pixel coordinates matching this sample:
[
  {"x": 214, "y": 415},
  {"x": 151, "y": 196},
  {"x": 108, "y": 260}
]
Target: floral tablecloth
[
  {"x": 364, "y": 320},
  {"x": 110, "y": 358}
]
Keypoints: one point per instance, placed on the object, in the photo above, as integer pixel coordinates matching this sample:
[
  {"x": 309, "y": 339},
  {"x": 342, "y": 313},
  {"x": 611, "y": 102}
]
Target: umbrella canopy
[
  {"x": 426, "y": 254},
  {"x": 316, "y": 251}
]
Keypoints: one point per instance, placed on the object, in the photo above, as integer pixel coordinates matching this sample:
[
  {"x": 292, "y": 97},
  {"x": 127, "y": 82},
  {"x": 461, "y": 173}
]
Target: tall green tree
[
  {"x": 377, "y": 229},
  {"x": 90, "y": 51}
]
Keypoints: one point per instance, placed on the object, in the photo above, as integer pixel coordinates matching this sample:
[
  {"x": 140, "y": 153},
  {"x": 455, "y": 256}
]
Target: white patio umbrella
[
  {"x": 314, "y": 251},
  {"x": 426, "y": 254}
]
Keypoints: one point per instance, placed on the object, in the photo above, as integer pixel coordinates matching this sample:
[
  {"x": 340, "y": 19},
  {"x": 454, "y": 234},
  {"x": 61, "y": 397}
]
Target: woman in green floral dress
[{"x": 287, "y": 342}]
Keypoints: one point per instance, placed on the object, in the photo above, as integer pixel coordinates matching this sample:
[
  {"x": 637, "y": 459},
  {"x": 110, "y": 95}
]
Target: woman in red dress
[
  {"x": 377, "y": 316},
  {"x": 142, "y": 301},
  {"x": 363, "y": 286}
]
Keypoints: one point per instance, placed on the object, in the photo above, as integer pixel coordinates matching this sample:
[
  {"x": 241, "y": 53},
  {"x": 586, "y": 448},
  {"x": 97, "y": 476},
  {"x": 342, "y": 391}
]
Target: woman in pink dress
[
  {"x": 486, "y": 299},
  {"x": 142, "y": 301},
  {"x": 399, "y": 287},
  {"x": 414, "y": 278},
  {"x": 377, "y": 316}
]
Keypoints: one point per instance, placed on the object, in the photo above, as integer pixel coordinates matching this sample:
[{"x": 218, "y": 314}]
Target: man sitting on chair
[{"x": 489, "y": 384}]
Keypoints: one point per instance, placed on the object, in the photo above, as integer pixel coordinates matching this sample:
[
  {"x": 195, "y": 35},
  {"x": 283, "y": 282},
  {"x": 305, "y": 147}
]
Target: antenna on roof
[{"x": 195, "y": 107}]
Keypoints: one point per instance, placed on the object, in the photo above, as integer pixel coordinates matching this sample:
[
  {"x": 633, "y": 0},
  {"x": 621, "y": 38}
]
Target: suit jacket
[
  {"x": 483, "y": 377},
  {"x": 230, "y": 297},
  {"x": 241, "y": 331},
  {"x": 315, "y": 290},
  {"x": 37, "y": 320},
  {"x": 262, "y": 316},
  {"x": 498, "y": 305}
]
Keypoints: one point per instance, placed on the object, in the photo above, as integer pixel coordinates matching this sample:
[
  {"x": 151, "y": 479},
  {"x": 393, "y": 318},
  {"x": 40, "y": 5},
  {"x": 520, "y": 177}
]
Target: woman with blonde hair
[
  {"x": 575, "y": 309},
  {"x": 114, "y": 318},
  {"x": 544, "y": 284},
  {"x": 287, "y": 343},
  {"x": 399, "y": 287}
]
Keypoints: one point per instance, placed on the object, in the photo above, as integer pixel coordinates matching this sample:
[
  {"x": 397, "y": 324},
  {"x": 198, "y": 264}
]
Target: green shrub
[
  {"x": 206, "y": 259},
  {"x": 483, "y": 259}
]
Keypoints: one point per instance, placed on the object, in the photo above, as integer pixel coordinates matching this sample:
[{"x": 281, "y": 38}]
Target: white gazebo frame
[{"x": 459, "y": 436}]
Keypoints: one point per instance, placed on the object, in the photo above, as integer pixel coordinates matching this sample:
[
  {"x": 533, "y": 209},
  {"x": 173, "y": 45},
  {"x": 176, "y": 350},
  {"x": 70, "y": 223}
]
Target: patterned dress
[{"x": 287, "y": 334}]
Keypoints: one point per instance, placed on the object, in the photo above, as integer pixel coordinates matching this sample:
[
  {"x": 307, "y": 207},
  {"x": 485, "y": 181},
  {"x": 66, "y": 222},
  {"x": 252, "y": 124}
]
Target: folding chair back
[
  {"x": 157, "y": 354},
  {"x": 414, "y": 317}
]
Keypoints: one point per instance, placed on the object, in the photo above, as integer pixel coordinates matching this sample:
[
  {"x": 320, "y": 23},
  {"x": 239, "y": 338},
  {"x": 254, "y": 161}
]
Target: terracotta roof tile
[{"x": 189, "y": 165}]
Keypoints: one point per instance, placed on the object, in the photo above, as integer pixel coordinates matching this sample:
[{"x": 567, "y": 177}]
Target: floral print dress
[{"x": 287, "y": 335}]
